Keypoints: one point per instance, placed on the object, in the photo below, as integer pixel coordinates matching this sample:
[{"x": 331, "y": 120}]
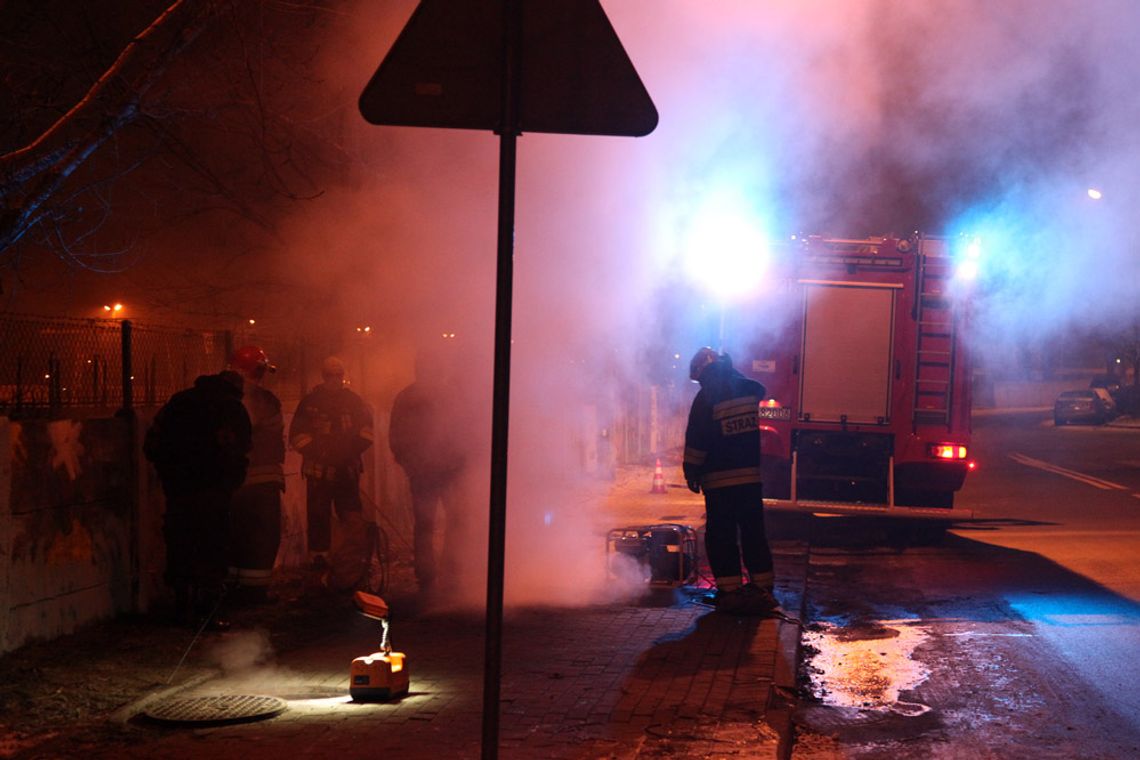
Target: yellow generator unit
[
  {"x": 378, "y": 677},
  {"x": 382, "y": 675}
]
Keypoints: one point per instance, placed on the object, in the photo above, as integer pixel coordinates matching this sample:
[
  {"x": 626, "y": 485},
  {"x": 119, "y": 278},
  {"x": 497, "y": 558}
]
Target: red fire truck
[{"x": 868, "y": 378}]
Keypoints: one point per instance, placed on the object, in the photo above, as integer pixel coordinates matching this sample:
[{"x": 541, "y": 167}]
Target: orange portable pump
[{"x": 381, "y": 675}]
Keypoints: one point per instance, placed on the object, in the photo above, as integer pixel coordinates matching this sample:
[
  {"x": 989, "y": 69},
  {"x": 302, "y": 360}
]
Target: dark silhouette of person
[
  {"x": 199, "y": 444},
  {"x": 426, "y": 438}
]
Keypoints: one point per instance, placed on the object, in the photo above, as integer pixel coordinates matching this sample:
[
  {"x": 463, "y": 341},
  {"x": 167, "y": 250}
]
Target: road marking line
[
  {"x": 1104, "y": 485},
  {"x": 981, "y": 633}
]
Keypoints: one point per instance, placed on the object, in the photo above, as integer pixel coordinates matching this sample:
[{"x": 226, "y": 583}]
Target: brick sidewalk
[
  {"x": 667, "y": 677},
  {"x": 660, "y": 676}
]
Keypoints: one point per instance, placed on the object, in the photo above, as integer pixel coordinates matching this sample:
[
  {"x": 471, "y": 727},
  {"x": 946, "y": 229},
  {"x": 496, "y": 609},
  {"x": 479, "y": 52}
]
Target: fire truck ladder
[{"x": 934, "y": 359}]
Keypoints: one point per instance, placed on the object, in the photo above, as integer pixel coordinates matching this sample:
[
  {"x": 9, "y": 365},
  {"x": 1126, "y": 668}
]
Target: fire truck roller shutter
[{"x": 848, "y": 333}]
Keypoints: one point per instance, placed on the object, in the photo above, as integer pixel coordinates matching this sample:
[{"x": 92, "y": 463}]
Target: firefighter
[
  {"x": 255, "y": 515},
  {"x": 199, "y": 443},
  {"x": 722, "y": 459},
  {"x": 331, "y": 428}
]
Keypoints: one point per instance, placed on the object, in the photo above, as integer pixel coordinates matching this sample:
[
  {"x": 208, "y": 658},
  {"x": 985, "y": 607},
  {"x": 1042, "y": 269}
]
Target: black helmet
[{"x": 702, "y": 359}]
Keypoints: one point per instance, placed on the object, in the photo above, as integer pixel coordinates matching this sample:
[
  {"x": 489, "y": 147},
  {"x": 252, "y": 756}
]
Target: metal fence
[
  {"x": 49, "y": 364},
  {"x": 52, "y": 365}
]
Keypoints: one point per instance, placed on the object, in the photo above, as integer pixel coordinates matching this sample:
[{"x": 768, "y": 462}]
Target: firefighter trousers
[
  {"x": 321, "y": 496},
  {"x": 734, "y": 530},
  {"x": 255, "y": 533}
]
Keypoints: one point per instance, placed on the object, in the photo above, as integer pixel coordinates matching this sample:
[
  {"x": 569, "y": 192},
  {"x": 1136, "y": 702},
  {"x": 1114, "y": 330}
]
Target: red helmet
[{"x": 251, "y": 361}]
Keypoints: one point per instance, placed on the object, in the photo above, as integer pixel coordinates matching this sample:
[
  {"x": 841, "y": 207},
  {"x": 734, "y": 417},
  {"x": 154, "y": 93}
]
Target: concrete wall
[
  {"x": 65, "y": 526},
  {"x": 73, "y": 547}
]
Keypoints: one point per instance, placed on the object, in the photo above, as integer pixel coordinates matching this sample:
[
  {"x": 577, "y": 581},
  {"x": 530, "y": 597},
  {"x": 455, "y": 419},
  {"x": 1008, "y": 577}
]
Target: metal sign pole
[
  {"x": 496, "y": 543},
  {"x": 444, "y": 71}
]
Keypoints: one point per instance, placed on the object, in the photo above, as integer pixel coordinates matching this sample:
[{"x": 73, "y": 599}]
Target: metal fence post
[
  {"x": 53, "y": 384},
  {"x": 228, "y": 347},
  {"x": 128, "y": 372},
  {"x": 19, "y": 383},
  {"x": 134, "y": 466}
]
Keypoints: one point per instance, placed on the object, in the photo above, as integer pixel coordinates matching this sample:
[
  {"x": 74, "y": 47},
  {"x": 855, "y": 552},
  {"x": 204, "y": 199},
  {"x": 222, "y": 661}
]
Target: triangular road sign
[{"x": 445, "y": 70}]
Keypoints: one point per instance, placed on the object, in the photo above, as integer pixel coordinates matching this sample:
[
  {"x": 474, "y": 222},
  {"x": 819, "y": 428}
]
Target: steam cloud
[
  {"x": 840, "y": 117},
  {"x": 242, "y": 651},
  {"x": 835, "y": 117}
]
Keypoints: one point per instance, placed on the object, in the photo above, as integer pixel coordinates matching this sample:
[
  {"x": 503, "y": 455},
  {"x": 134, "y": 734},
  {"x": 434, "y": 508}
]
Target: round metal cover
[{"x": 216, "y": 710}]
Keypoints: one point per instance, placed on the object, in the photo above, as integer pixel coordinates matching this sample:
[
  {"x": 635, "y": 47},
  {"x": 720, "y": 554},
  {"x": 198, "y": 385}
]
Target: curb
[{"x": 783, "y": 695}]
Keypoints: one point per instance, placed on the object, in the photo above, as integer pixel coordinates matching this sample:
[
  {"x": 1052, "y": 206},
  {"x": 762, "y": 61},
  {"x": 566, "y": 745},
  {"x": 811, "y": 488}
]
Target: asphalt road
[
  {"x": 1015, "y": 637},
  {"x": 1083, "y": 484}
]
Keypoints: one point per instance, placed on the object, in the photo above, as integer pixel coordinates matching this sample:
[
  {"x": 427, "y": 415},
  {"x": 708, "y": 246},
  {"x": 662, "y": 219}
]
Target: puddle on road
[{"x": 866, "y": 666}]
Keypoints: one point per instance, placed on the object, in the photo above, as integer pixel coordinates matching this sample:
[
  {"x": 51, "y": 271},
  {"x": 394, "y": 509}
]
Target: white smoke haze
[
  {"x": 242, "y": 651},
  {"x": 835, "y": 117}
]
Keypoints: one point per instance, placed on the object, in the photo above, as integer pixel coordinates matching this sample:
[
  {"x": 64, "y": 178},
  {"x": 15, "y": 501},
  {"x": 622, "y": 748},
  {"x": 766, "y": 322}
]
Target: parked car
[{"x": 1092, "y": 405}]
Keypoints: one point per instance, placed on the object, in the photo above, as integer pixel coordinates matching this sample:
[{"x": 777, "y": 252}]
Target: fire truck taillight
[
  {"x": 770, "y": 404},
  {"x": 946, "y": 451}
]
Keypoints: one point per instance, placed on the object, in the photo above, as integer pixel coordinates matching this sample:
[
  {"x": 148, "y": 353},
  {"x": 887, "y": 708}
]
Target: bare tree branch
[{"x": 32, "y": 175}]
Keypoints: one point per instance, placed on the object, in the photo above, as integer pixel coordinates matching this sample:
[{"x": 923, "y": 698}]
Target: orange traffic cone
[{"x": 658, "y": 479}]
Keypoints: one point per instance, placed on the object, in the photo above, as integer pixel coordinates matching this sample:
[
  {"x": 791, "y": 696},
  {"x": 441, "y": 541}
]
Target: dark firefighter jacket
[
  {"x": 331, "y": 428},
  {"x": 266, "y": 460},
  {"x": 201, "y": 437},
  {"x": 722, "y": 440}
]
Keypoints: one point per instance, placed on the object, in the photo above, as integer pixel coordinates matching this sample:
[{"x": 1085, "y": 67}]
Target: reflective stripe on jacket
[
  {"x": 722, "y": 439},
  {"x": 266, "y": 460},
  {"x": 331, "y": 428}
]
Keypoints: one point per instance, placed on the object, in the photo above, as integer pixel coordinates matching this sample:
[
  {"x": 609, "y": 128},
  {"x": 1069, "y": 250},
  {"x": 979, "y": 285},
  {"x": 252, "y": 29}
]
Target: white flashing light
[
  {"x": 969, "y": 265},
  {"x": 968, "y": 270},
  {"x": 726, "y": 250},
  {"x": 1095, "y": 194}
]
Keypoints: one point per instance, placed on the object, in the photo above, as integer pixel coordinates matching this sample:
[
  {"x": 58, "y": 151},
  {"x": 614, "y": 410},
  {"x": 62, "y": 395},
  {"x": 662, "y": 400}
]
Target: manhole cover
[{"x": 216, "y": 710}]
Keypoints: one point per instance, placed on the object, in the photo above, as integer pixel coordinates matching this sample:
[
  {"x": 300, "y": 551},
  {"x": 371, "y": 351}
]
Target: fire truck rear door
[{"x": 847, "y": 339}]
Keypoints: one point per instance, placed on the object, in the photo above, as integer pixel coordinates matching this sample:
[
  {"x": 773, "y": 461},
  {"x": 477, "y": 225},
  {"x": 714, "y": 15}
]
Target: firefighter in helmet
[
  {"x": 722, "y": 460},
  {"x": 331, "y": 428},
  {"x": 255, "y": 514}
]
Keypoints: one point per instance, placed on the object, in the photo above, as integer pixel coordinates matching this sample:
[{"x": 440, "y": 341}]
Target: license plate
[{"x": 775, "y": 413}]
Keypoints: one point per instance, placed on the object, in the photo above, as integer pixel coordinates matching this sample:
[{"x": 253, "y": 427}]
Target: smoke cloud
[
  {"x": 836, "y": 117},
  {"x": 841, "y": 117}
]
